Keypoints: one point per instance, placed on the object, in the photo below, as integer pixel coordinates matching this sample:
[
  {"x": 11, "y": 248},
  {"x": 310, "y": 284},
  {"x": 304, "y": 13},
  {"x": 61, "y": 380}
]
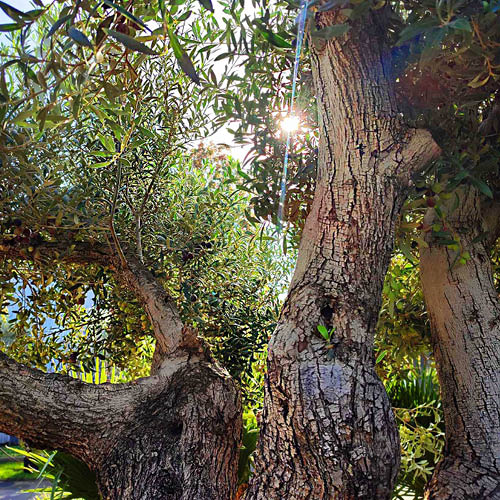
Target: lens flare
[{"x": 290, "y": 124}]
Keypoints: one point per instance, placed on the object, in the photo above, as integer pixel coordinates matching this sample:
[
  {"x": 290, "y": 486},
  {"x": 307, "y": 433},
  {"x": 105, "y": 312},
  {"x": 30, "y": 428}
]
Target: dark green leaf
[
  {"x": 187, "y": 66},
  {"x": 222, "y": 56},
  {"x": 57, "y": 25},
  {"x": 416, "y": 29},
  {"x": 184, "y": 16},
  {"x": 11, "y": 27},
  {"x": 481, "y": 237},
  {"x": 12, "y": 12},
  {"x": 32, "y": 14},
  {"x": 274, "y": 39},
  {"x": 79, "y": 37},
  {"x": 183, "y": 59},
  {"x": 482, "y": 186},
  {"x": 461, "y": 24},
  {"x": 207, "y": 4},
  {"x": 130, "y": 43},
  {"x": 41, "y": 117}
]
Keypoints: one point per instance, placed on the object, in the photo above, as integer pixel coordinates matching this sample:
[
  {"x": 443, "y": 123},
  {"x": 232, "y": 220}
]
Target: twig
[{"x": 112, "y": 215}]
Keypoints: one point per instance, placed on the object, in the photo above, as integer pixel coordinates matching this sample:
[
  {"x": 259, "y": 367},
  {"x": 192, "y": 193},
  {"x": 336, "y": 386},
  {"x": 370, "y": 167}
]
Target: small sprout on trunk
[{"x": 326, "y": 334}]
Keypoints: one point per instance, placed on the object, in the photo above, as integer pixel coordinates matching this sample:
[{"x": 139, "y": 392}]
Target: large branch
[
  {"x": 55, "y": 411},
  {"x": 171, "y": 336},
  {"x": 50, "y": 410}
]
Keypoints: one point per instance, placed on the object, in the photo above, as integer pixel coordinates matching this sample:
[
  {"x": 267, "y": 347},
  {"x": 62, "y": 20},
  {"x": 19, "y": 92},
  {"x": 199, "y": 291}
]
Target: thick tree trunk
[
  {"x": 180, "y": 442},
  {"x": 173, "y": 436},
  {"x": 464, "y": 312},
  {"x": 328, "y": 428}
]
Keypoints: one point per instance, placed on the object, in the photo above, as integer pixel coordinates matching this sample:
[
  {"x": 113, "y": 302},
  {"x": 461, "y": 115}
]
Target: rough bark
[
  {"x": 174, "y": 435},
  {"x": 464, "y": 313},
  {"x": 328, "y": 428}
]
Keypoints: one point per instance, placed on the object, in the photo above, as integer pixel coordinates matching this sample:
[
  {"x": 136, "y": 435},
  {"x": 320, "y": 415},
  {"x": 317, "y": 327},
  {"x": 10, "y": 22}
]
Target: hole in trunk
[
  {"x": 326, "y": 314},
  {"x": 175, "y": 429}
]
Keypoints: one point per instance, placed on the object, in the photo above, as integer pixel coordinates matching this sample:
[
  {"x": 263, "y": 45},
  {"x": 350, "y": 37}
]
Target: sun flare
[{"x": 290, "y": 124}]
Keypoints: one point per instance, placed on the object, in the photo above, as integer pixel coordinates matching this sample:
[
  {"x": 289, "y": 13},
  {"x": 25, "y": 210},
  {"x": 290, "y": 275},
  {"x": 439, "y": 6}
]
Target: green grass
[
  {"x": 9, "y": 451},
  {"x": 14, "y": 471}
]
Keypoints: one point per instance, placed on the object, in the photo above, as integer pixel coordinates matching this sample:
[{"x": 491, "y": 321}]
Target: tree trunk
[
  {"x": 180, "y": 442},
  {"x": 328, "y": 428},
  {"x": 464, "y": 312},
  {"x": 174, "y": 435},
  {"x": 171, "y": 436}
]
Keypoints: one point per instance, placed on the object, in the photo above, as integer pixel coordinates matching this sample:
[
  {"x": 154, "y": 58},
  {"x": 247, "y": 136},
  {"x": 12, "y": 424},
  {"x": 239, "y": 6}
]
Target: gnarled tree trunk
[
  {"x": 464, "y": 312},
  {"x": 174, "y": 435},
  {"x": 328, "y": 427}
]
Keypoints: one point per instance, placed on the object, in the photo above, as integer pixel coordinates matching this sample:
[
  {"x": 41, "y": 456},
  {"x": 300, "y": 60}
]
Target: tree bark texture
[
  {"x": 464, "y": 312},
  {"x": 328, "y": 428},
  {"x": 174, "y": 435}
]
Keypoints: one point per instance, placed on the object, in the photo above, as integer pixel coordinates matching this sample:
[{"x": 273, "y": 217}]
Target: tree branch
[
  {"x": 49, "y": 410},
  {"x": 172, "y": 339}
]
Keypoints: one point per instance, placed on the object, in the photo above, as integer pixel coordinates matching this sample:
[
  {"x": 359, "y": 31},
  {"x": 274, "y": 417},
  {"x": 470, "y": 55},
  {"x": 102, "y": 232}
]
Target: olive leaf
[
  {"x": 57, "y": 25},
  {"x": 130, "y": 43},
  {"x": 182, "y": 57},
  {"x": 79, "y": 37},
  {"x": 207, "y": 4}
]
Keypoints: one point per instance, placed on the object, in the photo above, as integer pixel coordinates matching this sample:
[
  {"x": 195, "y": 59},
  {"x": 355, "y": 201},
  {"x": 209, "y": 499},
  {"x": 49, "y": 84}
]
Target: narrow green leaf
[
  {"x": 184, "y": 16},
  {"x": 324, "y": 332},
  {"x": 461, "y": 24},
  {"x": 207, "y": 4},
  {"x": 100, "y": 165},
  {"x": 79, "y": 37},
  {"x": 10, "y": 27},
  {"x": 274, "y": 39},
  {"x": 130, "y": 43},
  {"x": 223, "y": 56},
  {"x": 41, "y": 117},
  {"x": 75, "y": 108},
  {"x": 32, "y": 14},
  {"x": 12, "y": 12},
  {"x": 183, "y": 59},
  {"x": 482, "y": 186},
  {"x": 107, "y": 142},
  {"x": 461, "y": 176},
  {"x": 57, "y": 25},
  {"x": 416, "y": 29}
]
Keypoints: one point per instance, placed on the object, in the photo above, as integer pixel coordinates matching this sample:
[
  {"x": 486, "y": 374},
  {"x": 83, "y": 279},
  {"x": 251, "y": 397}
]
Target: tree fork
[
  {"x": 328, "y": 428},
  {"x": 174, "y": 435}
]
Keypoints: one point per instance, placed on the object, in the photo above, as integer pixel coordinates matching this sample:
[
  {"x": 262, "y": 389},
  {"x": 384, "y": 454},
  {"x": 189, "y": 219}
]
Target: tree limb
[
  {"x": 171, "y": 337},
  {"x": 49, "y": 410},
  {"x": 55, "y": 411}
]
